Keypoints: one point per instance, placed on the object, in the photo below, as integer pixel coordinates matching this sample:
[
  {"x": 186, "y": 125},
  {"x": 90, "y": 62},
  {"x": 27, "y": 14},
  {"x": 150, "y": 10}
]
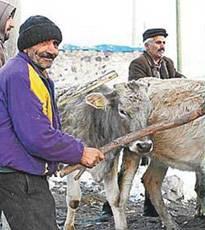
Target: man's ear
[
  {"x": 25, "y": 51},
  {"x": 146, "y": 45}
]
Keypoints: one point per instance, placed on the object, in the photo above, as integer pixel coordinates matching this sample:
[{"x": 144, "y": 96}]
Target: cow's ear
[
  {"x": 133, "y": 85},
  {"x": 139, "y": 84},
  {"x": 96, "y": 100},
  {"x": 120, "y": 87}
]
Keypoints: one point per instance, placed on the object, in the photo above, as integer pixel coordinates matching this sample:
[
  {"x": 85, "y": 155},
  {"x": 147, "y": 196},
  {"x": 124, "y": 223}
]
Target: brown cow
[{"x": 182, "y": 147}]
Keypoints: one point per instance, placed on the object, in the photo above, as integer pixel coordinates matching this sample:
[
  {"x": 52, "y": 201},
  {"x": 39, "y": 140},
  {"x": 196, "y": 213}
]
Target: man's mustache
[
  {"x": 47, "y": 55},
  {"x": 161, "y": 49}
]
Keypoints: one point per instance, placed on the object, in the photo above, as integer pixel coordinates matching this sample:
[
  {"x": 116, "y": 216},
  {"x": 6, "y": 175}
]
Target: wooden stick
[
  {"x": 68, "y": 96},
  {"x": 139, "y": 134}
]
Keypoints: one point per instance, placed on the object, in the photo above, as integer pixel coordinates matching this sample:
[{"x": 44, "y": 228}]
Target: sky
[
  {"x": 93, "y": 22},
  {"x": 88, "y": 22}
]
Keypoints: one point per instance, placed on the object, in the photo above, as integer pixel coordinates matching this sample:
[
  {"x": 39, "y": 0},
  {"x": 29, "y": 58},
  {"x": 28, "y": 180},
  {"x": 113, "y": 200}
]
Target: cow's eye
[{"x": 123, "y": 113}]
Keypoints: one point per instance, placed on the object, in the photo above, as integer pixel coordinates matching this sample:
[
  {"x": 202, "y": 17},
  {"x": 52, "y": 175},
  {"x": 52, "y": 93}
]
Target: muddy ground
[{"x": 91, "y": 204}]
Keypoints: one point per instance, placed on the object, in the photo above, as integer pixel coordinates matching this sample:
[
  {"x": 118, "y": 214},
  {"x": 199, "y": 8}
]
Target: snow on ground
[
  {"x": 137, "y": 191},
  {"x": 187, "y": 180},
  {"x": 78, "y": 67}
]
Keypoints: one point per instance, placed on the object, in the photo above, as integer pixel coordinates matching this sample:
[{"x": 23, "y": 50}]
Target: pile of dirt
[{"x": 90, "y": 210}]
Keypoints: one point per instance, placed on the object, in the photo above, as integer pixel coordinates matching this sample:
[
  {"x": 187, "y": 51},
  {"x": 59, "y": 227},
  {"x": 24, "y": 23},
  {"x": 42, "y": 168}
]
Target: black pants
[{"x": 27, "y": 202}]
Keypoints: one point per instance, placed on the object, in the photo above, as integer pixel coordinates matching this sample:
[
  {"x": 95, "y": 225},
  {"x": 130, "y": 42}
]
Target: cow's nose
[{"x": 144, "y": 146}]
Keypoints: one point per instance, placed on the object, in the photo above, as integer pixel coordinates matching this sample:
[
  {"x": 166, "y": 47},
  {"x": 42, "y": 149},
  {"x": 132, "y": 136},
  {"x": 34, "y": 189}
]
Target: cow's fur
[
  {"x": 182, "y": 147},
  {"x": 126, "y": 111}
]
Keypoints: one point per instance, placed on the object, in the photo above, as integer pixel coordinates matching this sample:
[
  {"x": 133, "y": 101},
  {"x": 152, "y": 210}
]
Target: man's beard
[
  {"x": 7, "y": 33},
  {"x": 6, "y": 36}
]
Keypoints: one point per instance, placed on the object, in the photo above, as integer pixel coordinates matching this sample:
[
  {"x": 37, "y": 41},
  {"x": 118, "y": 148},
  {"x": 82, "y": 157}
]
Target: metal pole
[{"x": 178, "y": 36}]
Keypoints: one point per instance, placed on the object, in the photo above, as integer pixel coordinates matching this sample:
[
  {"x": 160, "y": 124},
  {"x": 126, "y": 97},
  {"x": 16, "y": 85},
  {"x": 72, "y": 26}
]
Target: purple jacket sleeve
[{"x": 34, "y": 129}]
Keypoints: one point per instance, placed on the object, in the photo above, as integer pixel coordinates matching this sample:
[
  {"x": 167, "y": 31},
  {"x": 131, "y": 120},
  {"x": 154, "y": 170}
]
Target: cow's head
[{"x": 133, "y": 108}]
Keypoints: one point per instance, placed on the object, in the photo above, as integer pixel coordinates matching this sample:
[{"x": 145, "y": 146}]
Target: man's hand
[{"x": 91, "y": 157}]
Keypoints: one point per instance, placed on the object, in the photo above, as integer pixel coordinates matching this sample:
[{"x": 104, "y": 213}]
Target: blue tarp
[{"x": 103, "y": 48}]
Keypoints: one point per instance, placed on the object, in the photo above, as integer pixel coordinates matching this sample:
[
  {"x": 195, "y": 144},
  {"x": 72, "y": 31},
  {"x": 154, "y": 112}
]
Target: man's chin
[
  {"x": 47, "y": 66},
  {"x": 160, "y": 56},
  {"x": 43, "y": 67}
]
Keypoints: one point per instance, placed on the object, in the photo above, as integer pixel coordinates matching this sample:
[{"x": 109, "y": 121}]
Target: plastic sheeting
[{"x": 103, "y": 48}]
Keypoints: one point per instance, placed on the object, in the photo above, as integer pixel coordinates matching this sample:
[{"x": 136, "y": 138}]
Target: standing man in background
[
  {"x": 7, "y": 12},
  {"x": 151, "y": 63}
]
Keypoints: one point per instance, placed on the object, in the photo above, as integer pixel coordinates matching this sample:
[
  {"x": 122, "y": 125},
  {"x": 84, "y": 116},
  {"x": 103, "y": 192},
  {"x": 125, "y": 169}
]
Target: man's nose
[
  {"x": 12, "y": 23},
  {"x": 162, "y": 46},
  {"x": 52, "y": 48}
]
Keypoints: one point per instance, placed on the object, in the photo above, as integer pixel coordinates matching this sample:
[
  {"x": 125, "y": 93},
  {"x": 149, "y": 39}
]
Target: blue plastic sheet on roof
[{"x": 103, "y": 48}]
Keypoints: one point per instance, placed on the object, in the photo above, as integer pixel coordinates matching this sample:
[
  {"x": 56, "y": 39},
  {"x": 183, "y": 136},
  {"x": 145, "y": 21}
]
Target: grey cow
[{"x": 126, "y": 110}]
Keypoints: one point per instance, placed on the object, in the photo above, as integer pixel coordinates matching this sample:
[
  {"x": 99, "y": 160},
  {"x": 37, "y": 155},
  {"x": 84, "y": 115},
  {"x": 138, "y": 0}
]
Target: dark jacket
[
  {"x": 30, "y": 137},
  {"x": 143, "y": 66}
]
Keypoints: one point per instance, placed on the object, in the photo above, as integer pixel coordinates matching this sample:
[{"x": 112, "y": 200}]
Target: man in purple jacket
[{"x": 31, "y": 142}]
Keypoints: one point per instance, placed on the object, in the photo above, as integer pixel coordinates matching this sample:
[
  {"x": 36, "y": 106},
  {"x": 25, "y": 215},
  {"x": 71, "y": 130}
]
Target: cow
[
  {"x": 125, "y": 107},
  {"x": 183, "y": 147}
]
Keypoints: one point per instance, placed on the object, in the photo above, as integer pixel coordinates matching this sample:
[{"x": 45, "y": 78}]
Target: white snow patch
[{"x": 137, "y": 190}]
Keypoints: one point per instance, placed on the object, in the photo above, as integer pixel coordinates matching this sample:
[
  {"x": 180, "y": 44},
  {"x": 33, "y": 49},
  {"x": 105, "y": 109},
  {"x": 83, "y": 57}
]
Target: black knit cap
[
  {"x": 150, "y": 33},
  {"x": 37, "y": 29}
]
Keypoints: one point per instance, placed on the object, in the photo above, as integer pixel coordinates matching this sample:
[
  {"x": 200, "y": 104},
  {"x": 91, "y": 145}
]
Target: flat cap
[{"x": 150, "y": 33}]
